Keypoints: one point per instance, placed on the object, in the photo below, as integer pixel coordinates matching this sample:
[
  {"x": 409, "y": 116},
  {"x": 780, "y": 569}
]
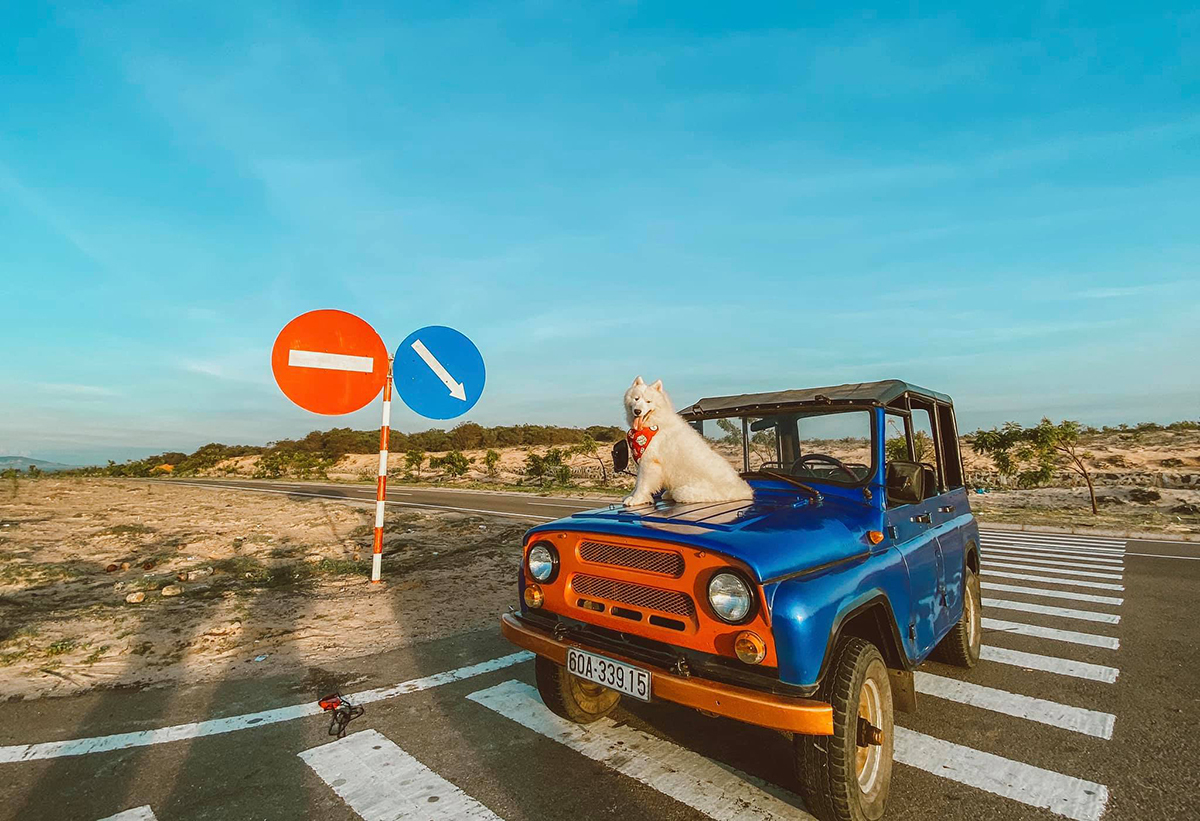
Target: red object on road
[{"x": 329, "y": 362}]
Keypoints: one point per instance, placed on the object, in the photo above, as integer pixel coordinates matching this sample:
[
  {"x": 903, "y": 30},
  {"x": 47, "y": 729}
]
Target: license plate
[{"x": 624, "y": 678}]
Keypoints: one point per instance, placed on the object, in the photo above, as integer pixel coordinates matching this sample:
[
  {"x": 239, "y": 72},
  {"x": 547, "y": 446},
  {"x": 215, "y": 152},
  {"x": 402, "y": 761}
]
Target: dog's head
[{"x": 643, "y": 401}]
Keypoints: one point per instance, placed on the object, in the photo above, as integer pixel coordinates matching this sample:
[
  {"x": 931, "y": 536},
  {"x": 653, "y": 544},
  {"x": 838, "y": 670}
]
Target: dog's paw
[{"x": 636, "y": 501}]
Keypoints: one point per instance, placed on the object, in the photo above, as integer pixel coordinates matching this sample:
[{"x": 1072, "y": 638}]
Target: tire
[
  {"x": 571, "y": 697},
  {"x": 839, "y": 780},
  {"x": 960, "y": 646}
]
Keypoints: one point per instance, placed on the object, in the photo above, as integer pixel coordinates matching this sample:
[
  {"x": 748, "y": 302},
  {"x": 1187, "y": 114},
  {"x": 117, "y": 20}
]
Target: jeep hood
[{"x": 776, "y": 534}]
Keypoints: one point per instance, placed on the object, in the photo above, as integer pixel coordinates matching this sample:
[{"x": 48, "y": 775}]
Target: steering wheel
[{"x": 821, "y": 457}]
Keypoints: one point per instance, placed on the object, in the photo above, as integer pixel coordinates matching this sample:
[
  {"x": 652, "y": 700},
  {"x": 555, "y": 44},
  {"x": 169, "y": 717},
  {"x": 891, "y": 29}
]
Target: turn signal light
[
  {"x": 874, "y": 536},
  {"x": 534, "y": 596},
  {"x": 750, "y": 648}
]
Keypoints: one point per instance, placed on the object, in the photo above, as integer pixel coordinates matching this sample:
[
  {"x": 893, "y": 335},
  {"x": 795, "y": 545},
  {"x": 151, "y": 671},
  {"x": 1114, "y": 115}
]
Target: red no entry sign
[{"x": 329, "y": 362}]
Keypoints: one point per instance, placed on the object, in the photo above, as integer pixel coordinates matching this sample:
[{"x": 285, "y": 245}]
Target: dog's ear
[
  {"x": 657, "y": 385},
  {"x": 638, "y": 381}
]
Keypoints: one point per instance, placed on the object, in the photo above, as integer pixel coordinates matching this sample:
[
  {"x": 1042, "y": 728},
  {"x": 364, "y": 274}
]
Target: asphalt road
[{"x": 1085, "y": 706}]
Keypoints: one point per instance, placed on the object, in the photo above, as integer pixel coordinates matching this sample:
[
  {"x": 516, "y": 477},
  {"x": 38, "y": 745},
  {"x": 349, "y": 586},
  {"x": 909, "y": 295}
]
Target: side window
[
  {"x": 924, "y": 441},
  {"x": 952, "y": 461},
  {"x": 895, "y": 441}
]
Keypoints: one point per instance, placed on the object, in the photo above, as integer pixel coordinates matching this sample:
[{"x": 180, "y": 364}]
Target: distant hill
[{"x": 23, "y": 462}]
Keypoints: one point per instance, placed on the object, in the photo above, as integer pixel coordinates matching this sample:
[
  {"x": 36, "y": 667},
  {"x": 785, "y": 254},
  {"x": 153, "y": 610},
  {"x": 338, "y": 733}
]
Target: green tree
[
  {"x": 492, "y": 460},
  {"x": 733, "y": 432},
  {"x": 588, "y": 448},
  {"x": 548, "y": 469},
  {"x": 454, "y": 464},
  {"x": 1032, "y": 454},
  {"x": 413, "y": 460},
  {"x": 896, "y": 449},
  {"x": 1059, "y": 445}
]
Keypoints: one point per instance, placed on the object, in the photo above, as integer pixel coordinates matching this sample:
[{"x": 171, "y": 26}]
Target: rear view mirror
[
  {"x": 620, "y": 456},
  {"x": 905, "y": 483}
]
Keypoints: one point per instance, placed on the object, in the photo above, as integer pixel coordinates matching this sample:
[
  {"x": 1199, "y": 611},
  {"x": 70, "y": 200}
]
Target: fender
[{"x": 808, "y": 616}]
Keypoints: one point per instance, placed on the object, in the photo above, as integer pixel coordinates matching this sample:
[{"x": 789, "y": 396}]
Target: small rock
[
  {"x": 125, "y": 565},
  {"x": 1187, "y": 508},
  {"x": 136, "y": 598},
  {"x": 199, "y": 573},
  {"x": 312, "y": 558},
  {"x": 148, "y": 564},
  {"x": 119, "y": 586},
  {"x": 112, "y": 568},
  {"x": 172, "y": 590}
]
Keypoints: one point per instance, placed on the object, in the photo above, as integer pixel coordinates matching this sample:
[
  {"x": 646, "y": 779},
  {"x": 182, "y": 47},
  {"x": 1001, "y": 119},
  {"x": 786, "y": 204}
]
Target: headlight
[
  {"x": 542, "y": 562},
  {"x": 730, "y": 597}
]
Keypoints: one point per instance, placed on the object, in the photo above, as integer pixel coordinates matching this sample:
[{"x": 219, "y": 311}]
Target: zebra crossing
[{"x": 1046, "y": 623}]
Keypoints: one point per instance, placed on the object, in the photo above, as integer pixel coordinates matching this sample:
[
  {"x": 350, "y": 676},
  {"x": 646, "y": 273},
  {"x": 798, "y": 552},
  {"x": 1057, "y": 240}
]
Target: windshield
[{"x": 814, "y": 446}]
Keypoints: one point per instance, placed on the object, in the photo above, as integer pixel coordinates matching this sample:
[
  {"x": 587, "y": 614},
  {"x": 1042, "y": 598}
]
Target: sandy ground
[
  {"x": 275, "y": 581},
  {"x": 272, "y": 578},
  {"x": 1122, "y": 509}
]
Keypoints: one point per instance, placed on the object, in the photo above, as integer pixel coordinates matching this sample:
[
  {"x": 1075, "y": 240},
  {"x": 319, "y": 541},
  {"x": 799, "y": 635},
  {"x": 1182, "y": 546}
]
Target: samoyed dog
[{"x": 672, "y": 456}]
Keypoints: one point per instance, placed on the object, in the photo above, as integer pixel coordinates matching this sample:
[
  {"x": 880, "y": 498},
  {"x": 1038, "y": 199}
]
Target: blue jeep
[{"x": 805, "y": 610}]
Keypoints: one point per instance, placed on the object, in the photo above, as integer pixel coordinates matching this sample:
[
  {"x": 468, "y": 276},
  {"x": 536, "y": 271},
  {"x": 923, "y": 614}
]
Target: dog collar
[{"x": 639, "y": 440}]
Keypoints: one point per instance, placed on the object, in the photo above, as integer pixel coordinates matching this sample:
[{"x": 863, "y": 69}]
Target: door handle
[
  {"x": 946, "y": 509},
  {"x": 923, "y": 519}
]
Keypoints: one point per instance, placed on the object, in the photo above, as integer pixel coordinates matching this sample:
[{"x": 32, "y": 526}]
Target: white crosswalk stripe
[
  {"x": 1061, "y": 794},
  {"x": 1105, "y": 552},
  {"x": 1050, "y": 664},
  {"x": 1058, "y": 538},
  {"x": 1051, "y": 594},
  {"x": 1091, "y": 574},
  {"x": 1037, "y": 631},
  {"x": 1016, "y": 557},
  {"x": 1048, "y": 610},
  {"x": 382, "y": 782},
  {"x": 1049, "y": 580},
  {"x": 1077, "y": 719},
  {"x": 707, "y": 787},
  {"x": 1107, "y": 561},
  {"x": 136, "y": 814}
]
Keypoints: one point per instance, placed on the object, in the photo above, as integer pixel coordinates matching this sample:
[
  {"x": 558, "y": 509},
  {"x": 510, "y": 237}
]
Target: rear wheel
[
  {"x": 960, "y": 646},
  {"x": 571, "y": 697},
  {"x": 846, "y": 776}
]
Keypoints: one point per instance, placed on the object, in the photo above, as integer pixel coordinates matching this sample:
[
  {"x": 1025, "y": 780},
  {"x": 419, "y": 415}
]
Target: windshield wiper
[{"x": 783, "y": 477}]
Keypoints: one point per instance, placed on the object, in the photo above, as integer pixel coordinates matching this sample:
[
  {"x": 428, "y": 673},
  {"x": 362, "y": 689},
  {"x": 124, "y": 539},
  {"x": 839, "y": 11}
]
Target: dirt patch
[{"x": 263, "y": 581}]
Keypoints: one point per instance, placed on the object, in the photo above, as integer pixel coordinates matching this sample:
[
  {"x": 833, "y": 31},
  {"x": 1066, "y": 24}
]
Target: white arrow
[{"x": 456, "y": 388}]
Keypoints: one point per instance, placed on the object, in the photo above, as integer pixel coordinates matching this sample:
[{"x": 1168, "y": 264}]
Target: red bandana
[{"x": 639, "y": 440}]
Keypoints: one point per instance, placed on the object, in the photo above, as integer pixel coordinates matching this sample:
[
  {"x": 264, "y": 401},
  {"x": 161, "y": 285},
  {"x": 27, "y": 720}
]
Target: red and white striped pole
[{"x": 381, "y": 484}]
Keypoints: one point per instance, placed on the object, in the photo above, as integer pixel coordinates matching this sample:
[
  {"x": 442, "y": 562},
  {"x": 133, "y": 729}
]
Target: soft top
[{"x": 859, "y": 393}]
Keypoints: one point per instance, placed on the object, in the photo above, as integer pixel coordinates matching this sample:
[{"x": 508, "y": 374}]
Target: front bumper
[{"x": 795, "y": 715}]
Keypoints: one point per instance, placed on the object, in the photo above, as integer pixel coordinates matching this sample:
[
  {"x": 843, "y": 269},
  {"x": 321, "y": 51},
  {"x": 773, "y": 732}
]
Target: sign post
[
  {"x": 332, "y": 362},
  {"x": 385, "y": 430}
]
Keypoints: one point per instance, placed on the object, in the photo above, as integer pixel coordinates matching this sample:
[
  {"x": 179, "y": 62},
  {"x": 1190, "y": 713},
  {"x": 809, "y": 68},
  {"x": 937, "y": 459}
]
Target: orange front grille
[
  {"x": 635, "y": 595},
  {"x": 647, "y": 587},
  {"x": 635, "y": 558}
]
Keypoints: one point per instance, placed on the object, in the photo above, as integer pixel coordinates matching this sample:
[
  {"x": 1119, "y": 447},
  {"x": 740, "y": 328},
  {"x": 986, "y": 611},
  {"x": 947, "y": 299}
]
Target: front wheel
[
  {"x": 846, "y": 776},
  {"x": 571, "y": 697}
]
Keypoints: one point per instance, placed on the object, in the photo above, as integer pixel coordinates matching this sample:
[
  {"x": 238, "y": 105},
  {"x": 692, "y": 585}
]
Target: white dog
[{"x": 672, "y": 456}]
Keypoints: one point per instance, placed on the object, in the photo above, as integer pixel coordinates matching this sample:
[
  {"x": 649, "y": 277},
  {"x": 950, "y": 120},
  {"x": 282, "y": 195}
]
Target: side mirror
[
  {"x": 905, "y": 483},
  {"x": 620, "y": 456}
]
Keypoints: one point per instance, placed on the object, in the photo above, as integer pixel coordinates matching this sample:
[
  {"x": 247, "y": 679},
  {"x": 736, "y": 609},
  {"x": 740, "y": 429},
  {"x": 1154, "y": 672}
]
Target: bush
[
  {"x": 453, "y": 464},
  {"x": 548, "y": 469}
]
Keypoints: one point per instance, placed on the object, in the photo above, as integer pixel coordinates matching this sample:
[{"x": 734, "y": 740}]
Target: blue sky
[{"x": 999, "y": 202}]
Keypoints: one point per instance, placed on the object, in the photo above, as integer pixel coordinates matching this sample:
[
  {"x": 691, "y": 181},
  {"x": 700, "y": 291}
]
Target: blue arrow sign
[{"x": 439, "y": 372}]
